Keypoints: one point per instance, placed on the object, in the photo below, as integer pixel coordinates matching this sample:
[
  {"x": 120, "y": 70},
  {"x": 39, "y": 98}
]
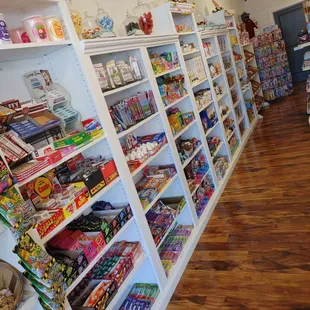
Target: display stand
[
  {"x": 76, "y": 60},
  {"x": 272, "y": 63}
]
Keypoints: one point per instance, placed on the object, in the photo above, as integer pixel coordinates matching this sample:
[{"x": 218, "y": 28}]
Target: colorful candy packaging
[{"x": 6, "y": 180}]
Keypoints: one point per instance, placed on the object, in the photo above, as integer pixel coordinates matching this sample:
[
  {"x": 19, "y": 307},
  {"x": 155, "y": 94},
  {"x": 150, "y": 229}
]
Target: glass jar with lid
[
  {"x": 131, "y": 24},
  {"x": 143, "y": 11},
  {"x": 105, "y": 22},
  {"x": 76, "y": 19},
  {"x": 90, "y": 28},
  {"x": 201, "y": 23}
]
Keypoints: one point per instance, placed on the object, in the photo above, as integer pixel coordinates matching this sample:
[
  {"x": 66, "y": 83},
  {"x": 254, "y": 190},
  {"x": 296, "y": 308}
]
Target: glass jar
[
  {"x": 105, "y": 22},
  {"x": 90, "y": 28},
  {"x": 76, "y": 19},
  {"x": 131, "y": 24},
  {"x": 143, "y": 11},
  {"x": 201, "y": 23}
]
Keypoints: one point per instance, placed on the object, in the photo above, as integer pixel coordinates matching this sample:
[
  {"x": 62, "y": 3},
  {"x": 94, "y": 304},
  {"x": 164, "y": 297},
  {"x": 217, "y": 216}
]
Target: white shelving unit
[
  {"x": 70, "y": 63},
  {"x": 240, "y": 67}
]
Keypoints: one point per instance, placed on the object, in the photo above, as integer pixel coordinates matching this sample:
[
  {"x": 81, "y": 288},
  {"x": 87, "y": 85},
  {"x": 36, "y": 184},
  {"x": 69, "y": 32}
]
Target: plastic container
[
  {"x": 19, "y": 35},
  {"x": 5, "y": 37},
  {"x": 131, "y": 25},
  {"x": 143, "y": 11},
  {"x": 35, "y": 28},
  {"x": 54, "y": 28}
]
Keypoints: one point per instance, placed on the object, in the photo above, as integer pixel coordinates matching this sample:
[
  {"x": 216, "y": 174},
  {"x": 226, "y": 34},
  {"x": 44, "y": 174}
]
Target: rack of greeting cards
[
  {"x": 114, "y": 151},
  {"x": 271, "y": 57}
]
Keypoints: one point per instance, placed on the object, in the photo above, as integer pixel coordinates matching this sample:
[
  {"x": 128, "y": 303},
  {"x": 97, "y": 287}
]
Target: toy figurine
[{"x": 217, "y": 7}]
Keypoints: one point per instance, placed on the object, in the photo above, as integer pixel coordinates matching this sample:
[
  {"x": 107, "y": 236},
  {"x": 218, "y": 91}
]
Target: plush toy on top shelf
[{"x": 218, "y": 8}]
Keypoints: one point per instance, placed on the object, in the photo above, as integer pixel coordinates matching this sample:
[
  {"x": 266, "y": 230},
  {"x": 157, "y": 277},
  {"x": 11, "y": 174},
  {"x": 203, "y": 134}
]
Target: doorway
[{"x": 292, "y": 20}]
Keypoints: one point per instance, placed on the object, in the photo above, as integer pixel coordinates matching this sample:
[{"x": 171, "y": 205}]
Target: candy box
[
  {"x": 120, "y": 271},
  {"x": 93, "y": 180},
  {"x": 109, "y": 171},
  {"x": 132, "y": 250},
  {"x": 175, "y": 203},
  {"x": 96, "y": 296},
  {"x": 94, "y": 246},
  {"x": 46, "y": 119},
  {"x": 78, "y": 140},
  {"x": 45, "y": 227},
  {"x": 147, "y": 196}
]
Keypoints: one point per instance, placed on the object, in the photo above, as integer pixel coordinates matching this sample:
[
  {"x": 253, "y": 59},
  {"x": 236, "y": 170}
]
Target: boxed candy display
[
  {"x": 141, "y": 296},
  {"x": 164, "y": 62},
  {"x": 178, "y": 120},
  {"x": 153, "y": 182},
  {"x": 173, "y": 246},
  {"x": 13, "y": 148},
  {"x": 160, "y": 218},
  {"x": 171, "y": 88},
  {"x": 97, "y": 294},
  {"x": 139, "y": 149},
  {"x": 109, "y": 222},
  {"x": 102, "y": 282},
  {"x": 130, "y": 111}
]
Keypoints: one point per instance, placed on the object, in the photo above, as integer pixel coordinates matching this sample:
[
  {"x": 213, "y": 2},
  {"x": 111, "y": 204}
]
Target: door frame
[{"x": 273, "y": 9}]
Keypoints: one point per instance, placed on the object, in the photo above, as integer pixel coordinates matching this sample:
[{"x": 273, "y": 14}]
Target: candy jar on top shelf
[
  {"x": 146, "y": 23},
  {"x": 76, "y": 19},
  {"x": 105, "y": 22},
  {"x": 131, "y": 25},
  {"x": 90, "y": 28},
  {"x": 201, "y": 23}
]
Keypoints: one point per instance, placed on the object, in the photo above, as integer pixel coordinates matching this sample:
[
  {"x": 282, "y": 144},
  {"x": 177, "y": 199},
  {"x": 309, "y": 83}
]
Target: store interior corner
[{"x": 122, "y": 127}]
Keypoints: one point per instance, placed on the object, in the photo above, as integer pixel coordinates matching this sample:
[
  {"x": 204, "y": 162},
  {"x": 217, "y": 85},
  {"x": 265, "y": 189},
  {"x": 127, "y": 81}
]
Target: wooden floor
[{"x": 255, "y": 252}]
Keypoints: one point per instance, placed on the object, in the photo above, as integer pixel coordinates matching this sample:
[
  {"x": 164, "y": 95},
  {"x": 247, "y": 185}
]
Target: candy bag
[
  {"x": 114, "y": 74},
  {"x": 125, "y": 72}
]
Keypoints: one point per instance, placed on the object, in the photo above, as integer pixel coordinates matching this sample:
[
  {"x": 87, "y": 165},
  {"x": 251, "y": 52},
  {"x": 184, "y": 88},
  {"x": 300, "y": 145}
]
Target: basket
[{"x": 13, "y": 280}]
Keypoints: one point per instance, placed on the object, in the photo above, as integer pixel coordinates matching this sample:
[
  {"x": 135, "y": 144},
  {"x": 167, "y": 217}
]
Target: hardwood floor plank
[{"x": 255, "y": 251}]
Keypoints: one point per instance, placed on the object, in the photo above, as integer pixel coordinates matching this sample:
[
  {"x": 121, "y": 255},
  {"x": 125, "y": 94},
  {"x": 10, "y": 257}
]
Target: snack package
[
  {"x": 37, "y": 260},
  {"x": 6, "y": 180},
  {"x": 114, "y": 74},
  {"x": 103, "y": 77},
  {"x": 125, "y": 72}
]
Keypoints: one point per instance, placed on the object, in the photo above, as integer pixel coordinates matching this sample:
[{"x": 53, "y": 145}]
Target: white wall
[{"x": 262, "y": 10}]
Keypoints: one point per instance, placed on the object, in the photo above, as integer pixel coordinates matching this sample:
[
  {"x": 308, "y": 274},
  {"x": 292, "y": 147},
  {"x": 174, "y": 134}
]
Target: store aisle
[{"x": 255, "y": 252}]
